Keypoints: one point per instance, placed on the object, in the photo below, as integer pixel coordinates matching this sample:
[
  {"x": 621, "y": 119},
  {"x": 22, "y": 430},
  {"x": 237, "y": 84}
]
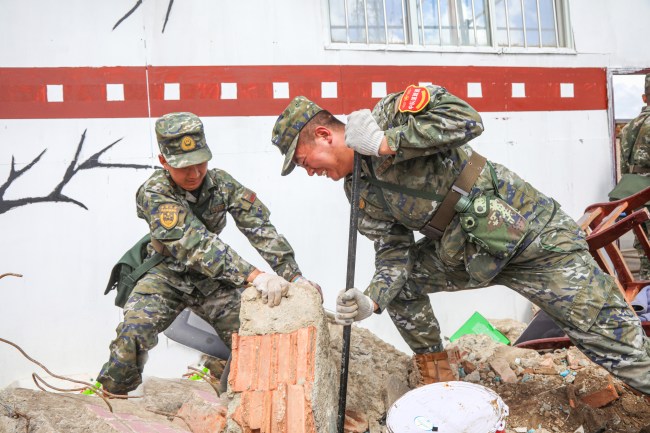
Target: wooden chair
[{"x": 604, "y": 224}]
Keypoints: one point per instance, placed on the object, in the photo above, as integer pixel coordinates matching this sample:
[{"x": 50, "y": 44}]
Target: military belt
[
  {"x": 461, "y": 187},
  {"x": 635, "y": 169}
]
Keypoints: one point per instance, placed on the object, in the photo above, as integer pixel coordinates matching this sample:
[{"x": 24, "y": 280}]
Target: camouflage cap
[
  {"x": 288, "y": 126},
  {"x": 647, "y": 84},
  {"x": 181, "y": 139}
]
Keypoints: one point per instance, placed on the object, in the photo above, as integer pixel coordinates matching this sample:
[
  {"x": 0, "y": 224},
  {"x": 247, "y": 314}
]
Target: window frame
[{"x": 412, "y": 44}]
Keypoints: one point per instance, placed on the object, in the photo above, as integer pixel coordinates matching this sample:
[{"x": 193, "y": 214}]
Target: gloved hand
[
  {"x": 301, "y": 279},
  {"x": 352, "y": 306},
  {"x": 272, "y": 288},
  {"x": 362, "y": 133}
]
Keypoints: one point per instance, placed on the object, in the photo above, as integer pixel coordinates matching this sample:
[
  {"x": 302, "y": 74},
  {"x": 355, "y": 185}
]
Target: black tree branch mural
[
  {"x": 57, "y": 194},
  {"x": 137, "y": 5}
]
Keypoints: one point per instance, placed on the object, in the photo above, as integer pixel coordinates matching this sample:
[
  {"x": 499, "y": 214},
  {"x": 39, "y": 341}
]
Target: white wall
[{"x": 57, "y": 313}]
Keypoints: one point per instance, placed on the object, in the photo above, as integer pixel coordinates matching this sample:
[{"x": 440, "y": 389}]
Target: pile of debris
[{"x": 547, "y": 392}]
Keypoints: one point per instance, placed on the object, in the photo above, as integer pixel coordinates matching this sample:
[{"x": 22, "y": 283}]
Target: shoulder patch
[
  {"x": 249, "y": 196},
  {"x": 168, "y": 215},
  {"x": 414, "y": 99}
]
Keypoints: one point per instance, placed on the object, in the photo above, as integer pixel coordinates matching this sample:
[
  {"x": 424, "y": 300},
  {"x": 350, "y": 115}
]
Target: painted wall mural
[
  {"x": 57, "y": 195},
  {"x": 137, "y": 5}
]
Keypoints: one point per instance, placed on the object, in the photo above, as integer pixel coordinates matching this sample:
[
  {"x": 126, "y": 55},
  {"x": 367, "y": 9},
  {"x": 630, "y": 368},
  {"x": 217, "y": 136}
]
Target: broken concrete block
[
  {"x": 282, "y": 377},
  {"x": 502, "y": 368},
  {"x": 395, "y": 388}
]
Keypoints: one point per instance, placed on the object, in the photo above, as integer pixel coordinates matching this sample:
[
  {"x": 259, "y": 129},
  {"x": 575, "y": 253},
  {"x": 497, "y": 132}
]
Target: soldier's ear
[
  {"x": 162, "y": 160},
  {"x": 645, "y": 98},
  {"x": 322, "y": 132}
]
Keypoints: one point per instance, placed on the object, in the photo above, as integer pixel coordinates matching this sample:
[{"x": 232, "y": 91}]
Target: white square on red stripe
[
  {"x": 280, "y": 90},
  {"x": 518, "y": 90},
  {"x": 329, "y": 89},
  {"x": 55, "y": 93},
  {"x": 172, "y": 91},
  {"x": 228, "y": 90},
  {"x": 474, "y": 90},
  {"x": 115, "y": 92},
  {"x": 566, "y": 90},
  {"x": 378, "y": 90}
]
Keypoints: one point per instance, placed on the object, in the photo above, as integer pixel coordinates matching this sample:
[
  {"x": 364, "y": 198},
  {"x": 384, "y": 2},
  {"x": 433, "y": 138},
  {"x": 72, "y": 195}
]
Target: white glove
[
  {"x": 301, "y": 279},
  {"x": 272, "y": 288},
  {"x": 362, "y": 133},
  {"x": 352, "y": 306}
]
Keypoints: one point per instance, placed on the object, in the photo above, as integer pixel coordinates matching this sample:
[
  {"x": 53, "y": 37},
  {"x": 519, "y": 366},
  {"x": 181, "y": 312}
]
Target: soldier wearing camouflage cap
[
  {"x": 635, "y": 167},
  {"x": 482, "y": 223},
  {"x": 185, "y": 206}
]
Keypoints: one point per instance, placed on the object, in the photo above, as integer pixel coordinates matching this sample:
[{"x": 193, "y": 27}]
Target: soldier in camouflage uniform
[
  {"x": 185, "y": 206},
  {"x": 635, "y": 166},
  {"x": 500, "y": 229}
]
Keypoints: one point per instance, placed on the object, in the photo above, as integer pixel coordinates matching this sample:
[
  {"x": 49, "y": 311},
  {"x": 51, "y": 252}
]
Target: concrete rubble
[{"x": 284, "y": 378}]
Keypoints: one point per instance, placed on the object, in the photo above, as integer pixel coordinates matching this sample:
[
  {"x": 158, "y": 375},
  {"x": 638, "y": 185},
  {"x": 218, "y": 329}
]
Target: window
[
  {"x": 368, "y": 21},
  {"x": 451, "y": 23}
]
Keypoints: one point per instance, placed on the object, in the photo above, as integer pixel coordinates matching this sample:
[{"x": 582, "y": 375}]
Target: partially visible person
[
  {"x": 185, "y": 206},
  {"x": 635, "y": 167},
  {"x": 482, "y": 225}
]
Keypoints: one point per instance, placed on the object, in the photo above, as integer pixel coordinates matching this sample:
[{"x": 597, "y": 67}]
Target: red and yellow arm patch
[
  {"x": 414, "y": 99},
  {"x": 168, "y": 215}
]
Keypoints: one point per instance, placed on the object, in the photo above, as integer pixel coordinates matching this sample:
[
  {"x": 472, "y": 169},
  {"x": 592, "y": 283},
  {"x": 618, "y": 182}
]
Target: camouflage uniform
[
  {"x": 200, "y": 271},
  {"x": 635, "y": 159},
  {"x": 520, "y": 239}
]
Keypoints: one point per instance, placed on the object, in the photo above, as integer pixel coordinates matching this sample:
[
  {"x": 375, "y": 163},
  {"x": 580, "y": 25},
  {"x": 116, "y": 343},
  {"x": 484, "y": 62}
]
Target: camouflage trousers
[
  {"x": 557, "y": 273},
  {"x": 151, "y": 308},
  {"x": 644, "y": 262}
]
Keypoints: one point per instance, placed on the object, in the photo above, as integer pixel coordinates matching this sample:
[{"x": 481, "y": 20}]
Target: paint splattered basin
[{"x": 448, "y": 407}]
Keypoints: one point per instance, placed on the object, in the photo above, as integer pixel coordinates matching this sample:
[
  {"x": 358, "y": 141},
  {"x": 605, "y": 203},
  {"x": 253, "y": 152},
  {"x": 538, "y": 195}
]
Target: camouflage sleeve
[
  {"x": 642, "y": 143},
  {"x": 252, "y": 219},
  {"x": 188, "y": 240},
  {"x": 446, "y": 122},
  {"x": 392, "y": 242},
  {"x": 626, "y": 148}
]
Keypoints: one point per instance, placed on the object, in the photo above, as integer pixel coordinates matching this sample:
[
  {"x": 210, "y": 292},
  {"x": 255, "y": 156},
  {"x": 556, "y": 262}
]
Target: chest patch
[
  {"x": 218, "y": 208},
  {"x": 168, "y": 215},
  {"x": 414, "y": 99}
]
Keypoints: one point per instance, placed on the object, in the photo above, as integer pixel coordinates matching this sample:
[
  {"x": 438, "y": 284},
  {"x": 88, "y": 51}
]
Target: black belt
[{"x": 461, "y": 187}]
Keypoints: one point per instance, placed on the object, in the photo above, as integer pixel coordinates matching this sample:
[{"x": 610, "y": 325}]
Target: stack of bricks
[{"x": 282, "y": 377}]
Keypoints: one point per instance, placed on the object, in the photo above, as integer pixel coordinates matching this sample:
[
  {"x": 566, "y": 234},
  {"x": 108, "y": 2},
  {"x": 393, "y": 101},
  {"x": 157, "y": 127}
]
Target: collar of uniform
[{"x": 206, "y": 188}]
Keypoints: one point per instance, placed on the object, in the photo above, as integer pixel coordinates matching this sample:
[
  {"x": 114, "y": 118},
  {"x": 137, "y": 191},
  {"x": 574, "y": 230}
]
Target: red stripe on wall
[{"x": 24, "y": 94}]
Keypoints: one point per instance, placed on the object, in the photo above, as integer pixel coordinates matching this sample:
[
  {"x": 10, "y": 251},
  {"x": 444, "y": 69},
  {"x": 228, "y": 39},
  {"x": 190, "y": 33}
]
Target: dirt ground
[
  {"x": 548, "y": 387},
  {"x": 543, "y": 390}
]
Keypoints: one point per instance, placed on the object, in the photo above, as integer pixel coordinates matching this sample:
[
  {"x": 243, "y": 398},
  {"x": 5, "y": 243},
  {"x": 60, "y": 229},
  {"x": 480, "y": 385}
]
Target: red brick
[
  {"x": 275, "y": 375},
  {"x": 279, "y": 415},
  {"x": 252, "y": 403},
  {"x": 296, "y": 409},
  {"x": 355, "y": 422},
  {"x": 286, "y": 367},
  {"x": 245, "y": 369},
  {"x": 204, "y": 419},
  {"x": 306, "y": 355},
  {"x": 602, "y": 397},
  {"x": 264, "y": 356}
]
